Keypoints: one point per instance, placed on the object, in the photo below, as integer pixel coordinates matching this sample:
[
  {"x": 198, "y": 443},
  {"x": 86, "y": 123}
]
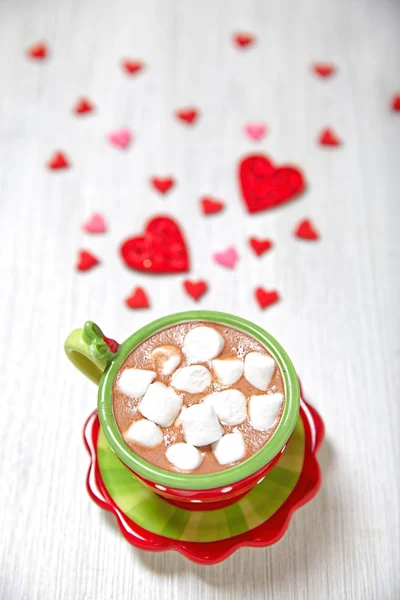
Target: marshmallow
[
  {"x": 203, "y": 343},
  {"x": 193, "y": 379},
  {"x": 230, "y": 448},
  {"x": 228, "y": 371},
  {"x": 166, "y": 358},
  {"x": 259, "y": 369},
  {"x": 184, "y": 456},
  {"x": 229, "y": 406},
  {"x": 145, "y": 433},
  {"x": 263, "y": 410},
  {"x": 200, "y": 425},
  {"x": 134, "y": 382},
  {"x": 160, "y": 404}
]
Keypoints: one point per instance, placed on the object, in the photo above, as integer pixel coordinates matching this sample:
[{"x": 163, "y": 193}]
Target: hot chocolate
[{"x": 198, "y": 397}]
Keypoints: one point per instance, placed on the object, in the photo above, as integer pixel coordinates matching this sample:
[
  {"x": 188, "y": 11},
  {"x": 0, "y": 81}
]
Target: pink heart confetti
[
  {"x": 95, "y": 224},
  {"x": 120, "y": 138},
  {"x": 255, "y": 131},
  {"x": 227, "y": 258}
]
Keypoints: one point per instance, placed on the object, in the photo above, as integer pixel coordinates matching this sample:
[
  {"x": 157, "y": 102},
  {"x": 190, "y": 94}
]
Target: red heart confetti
[
  {"x": 306, "y": 230},
  {"x": 83, "y": 106},
  {"x": 58, "y": 161},
  {"x": 112, "y": 344},
  {"x": 266, "y": 298},
  {"x": 138, "y": 299},
  {"x": 161, "y": 249},
  {"x": 243, "y": 40},
  {"x": 162, "y": 184},
  {"x": 131, "y": 67},
  {"x": 38, "y": 51},
  {"x": 86, "y": 261},
  {"x": 188, "y": 115},
  {"x": 328, "y": 137},
  {"x": 209, "y": 206},
  {"x": 95, "y": 224},
  {"x": 395, "y": 104},
  {"x": 324, "y": 69},
  {"x": 195, "y": 289},
  {"x": 265, "y": 186},
  {"x": 260, "y": 246}
]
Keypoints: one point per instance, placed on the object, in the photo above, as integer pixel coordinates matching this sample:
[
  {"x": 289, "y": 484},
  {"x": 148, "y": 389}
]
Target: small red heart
[
  {"x": 188, "y": 115},
  {"x": 58, "y": 161},
  {"x": 195, "y": 289},
  {"x": 138, "y": 299},
  {"x": 265, "y": 186},
  {"x": 162, "y": 184},
  {"x": 328, "y": 137},
  {"x": 265, "y": 298},
  {"x": 396, "y": 103},
  {"x": 306, "y": 230},
  {"x": 161, "y": 249},
  {"x": 324, "y": 69},
  {"x": 260, "y": 246},
  {"x": 132, "y": 66},
  {"x": 83, "y": 106},
  {"x": 112, "y": 344},
  {"x": 86, "y": 261},
  {"x": 210, "y": 206},
  {"x": 243, "y": 40},
  {"x": 38, "y": 51}
]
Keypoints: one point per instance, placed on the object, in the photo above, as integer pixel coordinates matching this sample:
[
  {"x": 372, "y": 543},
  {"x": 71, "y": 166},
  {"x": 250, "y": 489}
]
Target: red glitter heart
[
  {"x": 328, "y": 137},
  {"x": 138, "y": 299},
  {"x": 188, "y": 115},
  {"x": 265, "y": 186},
  {"x": 162, "y": 248},
  {"x": 58, "y": 161},
  {"x": 86, "y": 261},
  {"x": 260, "y": 246},
  {"x": 162, "y": 184},
  {"x": 266, "y": 298},
  {"x": 324, "y": 69},
  {"x": 210, "y": 206},
  {"x": 38, "y": 51},
  {"x": 396, "y": 103},
  {"x": 195, "y": 289},
  {"x": 306, "y": 230},
  {"x": 243, "y": 40},
  {"x": 83, "y": 106},
  {"x": 132, "y": 66}
]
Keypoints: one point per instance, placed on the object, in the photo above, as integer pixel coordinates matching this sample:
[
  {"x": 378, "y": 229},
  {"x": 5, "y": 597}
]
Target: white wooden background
[{"x": 339, "y": 317}]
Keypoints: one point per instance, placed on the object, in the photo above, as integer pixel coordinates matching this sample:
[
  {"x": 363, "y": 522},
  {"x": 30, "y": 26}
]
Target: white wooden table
[{"x": 338, "y": 319}]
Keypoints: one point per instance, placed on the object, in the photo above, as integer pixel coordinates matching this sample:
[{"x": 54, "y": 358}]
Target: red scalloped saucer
[{"x": 208, "y": 553}]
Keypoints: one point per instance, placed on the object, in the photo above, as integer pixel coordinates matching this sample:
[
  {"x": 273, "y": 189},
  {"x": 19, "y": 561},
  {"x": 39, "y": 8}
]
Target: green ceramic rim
[{"x": 215, "y": 480}]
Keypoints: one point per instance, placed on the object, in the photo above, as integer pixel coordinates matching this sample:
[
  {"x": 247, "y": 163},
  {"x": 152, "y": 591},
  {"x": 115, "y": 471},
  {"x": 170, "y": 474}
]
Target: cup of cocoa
[{"x": 198, "y": 405}]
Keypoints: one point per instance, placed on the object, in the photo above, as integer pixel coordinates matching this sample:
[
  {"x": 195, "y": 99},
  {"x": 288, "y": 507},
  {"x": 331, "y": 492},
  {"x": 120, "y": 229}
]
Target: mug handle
[{"x": 90, "y": 350}]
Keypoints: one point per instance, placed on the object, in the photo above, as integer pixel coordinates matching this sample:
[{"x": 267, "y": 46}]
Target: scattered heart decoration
[
  {"x": 266, "y": 298},
  {"x": 160, "y": 249},
  {"x": 324, "y": 69},
  {"x": 265, "y": 186},
  {"x": 195, "y": 289},
  {"x": 395, "y": 104},
  {"x": 260, "y": 246},
  {"x": 131, "y": 67},
  {"x": 58, "y": 161},
  {"x": 38, "y": 51},
  {"x": 120, "y": 138},
  {"x": 95, "y": 224},
  {"x": 83, "y": 106},
  {"x": 210, "y": 206},
  {"x": 138, "y": 299},
  {"x": 328, "y": 137},
  {"x": 162, "y": 184},
  {"x": 306, "y": 230},
  {"x": 227, "y": 258},
  {"x": 255, "y": 131},
  {"x": 187, "y": 115},
  {"x": 86, "y": 261},
  {"x": 243, "y": 40},
  {"x": 100, "y": 346}
]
